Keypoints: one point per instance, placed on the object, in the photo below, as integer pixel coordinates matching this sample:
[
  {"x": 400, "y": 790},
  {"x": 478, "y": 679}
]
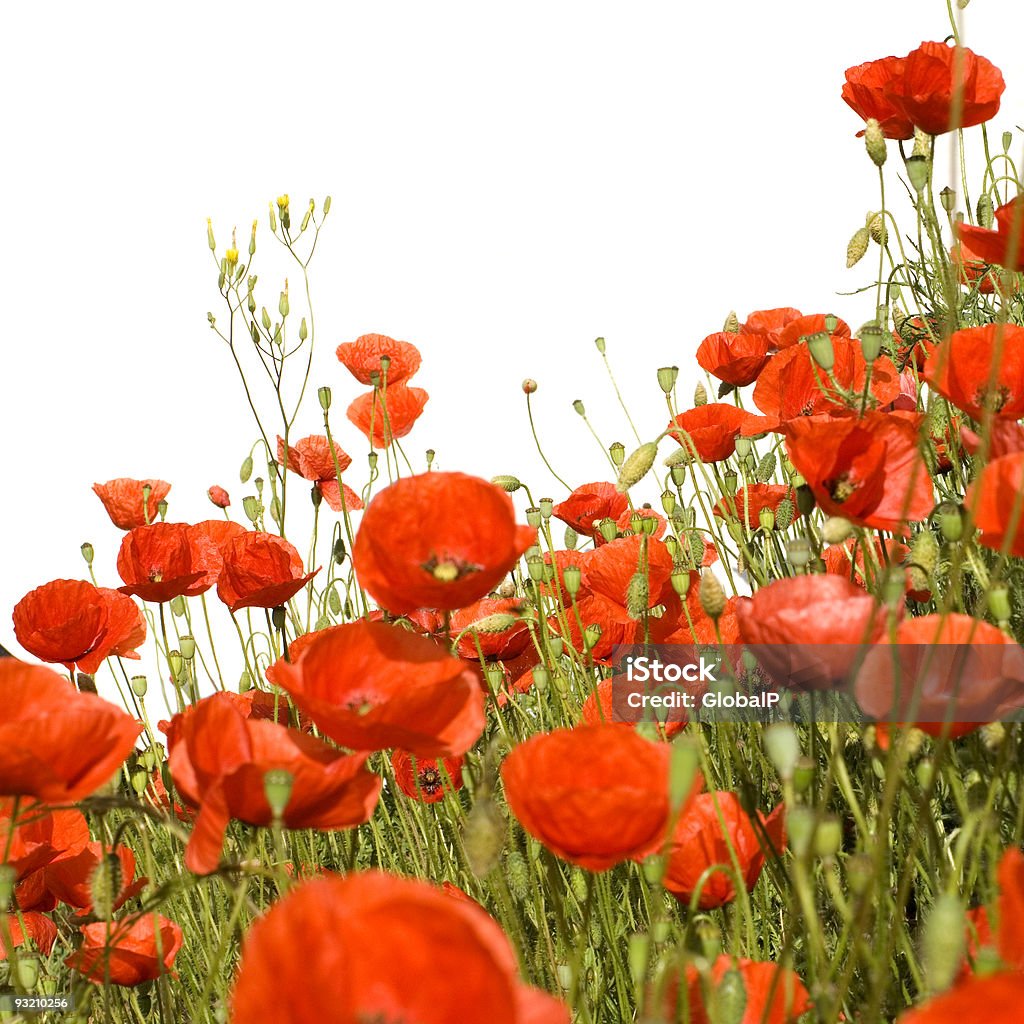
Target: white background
[{"x": 508, "y": 183}]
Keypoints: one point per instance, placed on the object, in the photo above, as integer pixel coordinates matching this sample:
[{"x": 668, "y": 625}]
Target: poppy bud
[
  {"x": 784, "y": 514},
  {"x": 951, "y": 525},
  {"x": 712, "y": 595},
  {"x": 876, "y": 228},
  {"x": 277, "y": 788},
  {"x": 947, "y": 197},
  {"x": 638, "y": 594},
  {"x": 105, "y": 886},
  {"x": 943, "y": 944},
  {"x": 924, "y": 551},
  {"x": 804, "y": 497},
  {"x": 638, "y": 954},
  {"x": 187, "y": 646},
  {"x": 571, "y": 579},
  {"x": 25, "y": 972},
  {"x": 766, "y": 517},
  {"x": 139, "y": 686},
  {"x": 178, "y": 606},
  {"x": 244, "y": 682},
  {"x": 667, "y": 378},
  {"x": 803, "y": 774},
  {"x": 541, "y": 679},
  {"x": 591, "y": 636},
  {"x": 728, "y": 1003},
  {"x": 509, "y": 484},
  {"x": 86, "y": 683},
  {"x": 87, "y": 553},
  {"x": 338, "y": 552},
  {"x": 822, "y": 352},
  {"x": 315, "y": 495},
  {"x": 682, "y": 772},
  {"x": 637, "y": 466},
  {"x": 800, "y": 829},
  {"x": 252, "y": 508},
  {"x": 617, "y": 451},
  {"x": 798, "y": 552},
  {"x": 599, "y": 344},
  {"x": 696, "y": 542},
  {"x": 732, "y": 323},
  {"x": 874, "y": 141},
  {"x": 765, "y": 468},
  {"x": 324, "y": 395},
  {"x": 246, "y": 471},
  {"x": 209, "y": 235},
  {"x": 700, "y": 395},
  {"x": 571, "y": 538},
  {"x": 578, "y": 406},
  {"x": 828, "y": 839},
  {"x": 998, "y": 599},
  {"x": 529, "y": 386},
  {"x": 608, "y": 530},
  {"x": 484, "y": 836},
  {"x": 992, "y": 735},
  {"x": 893, "y": 587},
  {"x": 836, "y": 529},
  {"x": 855, "y": 249},
  {"x": 917, "y": 170},
  {"x": 984, "y": 212}
]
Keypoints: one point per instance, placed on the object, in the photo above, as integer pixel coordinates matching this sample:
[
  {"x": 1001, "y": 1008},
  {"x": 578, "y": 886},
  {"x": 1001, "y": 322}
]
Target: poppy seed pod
[
  {"x": 667, "y": 378},
  {"x": 277, "y": 787},
  {"x": 571, "y": 579},
  {"x": 617, "y": 451},
  {"x": 917, "y": 171},
  {"x": 87, "y": 553}
]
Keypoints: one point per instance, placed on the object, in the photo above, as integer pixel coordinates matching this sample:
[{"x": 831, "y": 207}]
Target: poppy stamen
[
  {"x": 841, "y": 489},
  {"x": 449, "y": 569},
  {"x": 430, "y": 781}
]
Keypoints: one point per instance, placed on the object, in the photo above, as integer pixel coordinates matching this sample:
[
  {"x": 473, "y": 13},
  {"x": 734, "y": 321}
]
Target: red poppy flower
[
  {"x": 770, "y": 322},
  {"x": 609, "y": 703},
  {"x": 167, "y": 560},
  {"x": 57, "y": 744},
  {"x": 139, "y": 950},
  {"x": 74, "y": 623},
  {"x": 68, "y": 878},
  {"x": 847, "y": 559},
  {"x": 736, "y": 359},
  {"x": 865, "y": 92},
  {"x": 793, "y": 386},
  {"x": 946, "y": 668},
  {"x": 694, "y": 625},
  {"x": 478, "y": 636},
  {"x": 439, "y": 540},
  {"x": 996, "y": 997},
  {"x": 39, "y": 838},
  {"x": 631, "y": 519},
  {"x": 804, "y": 326},
  {"x": 218, "y": 496},
  {"x": 1011, "y": 909},
  {"x": 710, "y": 430},
  {"x": 869, "y": 470},
  {"x": 383, "y": 416},
  {"x": 396, "y": 946},
  {"x": 699, "y": 842},
  {"x": 122, "y": 498},
  {"x": 260, "y": 571},
  {"x": 426, "y": 779},
  {"x": 980, "y": 369},
  {"x": 311, "y": 458},
  {"x": 804, "y": 630},
  {"x": 1004, "y": 245},
  {"x": 938, "y": 83},
  {"x": 588, "y": 505},
  {"x": 748, "y": 502},
  {"x": 38, "y": 928},
  {"x": 362, "y": 358},
  {"x": 595, "y": 795},
  {"x": 971, "y": 268},
  {"x": 1004, "y": 438},
  {"x": 219, "y": 532},
  {"x": 371, "y": 686},
  {"x": 996, "y": 497},
  {"x": 774, "y": 994},
  {"x": 219, "y": 760}
]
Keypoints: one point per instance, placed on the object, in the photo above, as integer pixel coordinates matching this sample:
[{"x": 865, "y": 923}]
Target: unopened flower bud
[
  {"x": 765, "y": 468},
  {"x": 998, "y": 599},
  {"x": 338, "y": 552},
  {"x": 828, "y": 838},
  {"x": 924, "y": 551},
  {"x": 509, "y": 484},
  {"x": 943, "y": 945},
  {"x": 700, "y": 395},
  {"x": 784, "y": 514},
  {"x": 637, "y": 466},
  {"x": 857, "y": 246},
  {"x": 874, "y": 141},
  {"x": 638, "y": 594},
  {"x": 732, "y": 323},
  {"x": 667, "y": 378},
  {"x": 529, "y": 386},
  {"x": 782, "y": 745},
  {"x": 712, "y": 595},
  {"x": 952, "y": 525},
  {"x": 571, "y": 538},
  {"x": 210, "y": 241},
  {"x": 805, "y": 500},
  {"x": 246, "y": 470},
  {"x": 836, "y": 529},
  {"x": 877, "y": 229},
  {"x": 277, "y": 788},
  {"x": 483, "y": 836},
  {"x": 105, "y": 886},
  {"x": 985, "y": 213},
  {"x": 244, "y": 682}
]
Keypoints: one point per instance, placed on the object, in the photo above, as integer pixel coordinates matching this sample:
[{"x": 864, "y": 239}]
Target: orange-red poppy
[
  {"x": 802, "y": 327},
  {"x": 948, "y": 668},
  {"x": 396, "y": 946},
  {"x": 219, "y": 760},
  {"x": 710, "y": 430},
  {"x": 588, "y": 505},
  {"x": 167, "y": 560},
  {"x": 311, "y": 458},
  {"x": 362, "y": 358},
  {"x": 260, "y": 570},
  {"x": 124, "y": 502},
  {"x": 139, "y": 949},
  {"x": 1010, "y": 938},
  {"x": 57, "y": 744},
  {"x": 73, "y": 623},
  {"x": 609, "y": 703},
  {"x": 1003, "y": 245},
  {"x": 847, "y": 559},
  {"x": 736, "y": 359},
  {"x": 971, "y": 268},
  {"x": 438, "y": 540},
  {"x": 867, "y": 469},
  {"x": 940, "y": 88},
  {"x": 770, "y": 322},
  {"x": 218, "y": 496},
  {"x": 632, "y": 519},
  {"x": 773, "y": 993},
  {"x": 981, "y": 369},
  {"x": 371, "y": 686},
  {"x": 1004, "y": 438},
  {"x": 865, "y": 92},
  {"x": 68, "y": 877},
  {"x": 996, "y": 497},
  {"x": 426, "y": 779},
  {"x": 793, "y": 385},
  {"x": 994, "y": 999},
  {"x": 38, "y": 927},
  {"x": 748, "y": 502},
  {"x": 37, "y": 838},
  {"x": 480, "y": 632},
  {"x": 700, "y": 842},
  {"x": 383, "y": 415},
  {"x": 595, "y": 795}
]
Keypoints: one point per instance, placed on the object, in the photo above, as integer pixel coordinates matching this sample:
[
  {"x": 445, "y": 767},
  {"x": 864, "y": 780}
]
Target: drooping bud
[
  {"x": 728, "y": 1003},
  {"x": 877, "y": 229},
  {"x": 571, "y": 538},
  {"x": 338, "y": 552},
  {"x": 857, "y": 246},
  {"x": 805, "y": 500},
  {"x": 599, "y": 345},
  {"x": 700, "y": 395},
  {"x": 943, "y": 945},
  {"x": 637, "y": 466},
  {"x": 985, "y": 213},
  {"x": 924, "y": 551},
  {"x": 874, "y": 141},
  {"x": 782, "y": 745},
  {"x": 246, "y": 470},
  {"x": 483, "y": 836},
  {"x": 509, "y": 484},
  {"x": 712, "y": 595}
]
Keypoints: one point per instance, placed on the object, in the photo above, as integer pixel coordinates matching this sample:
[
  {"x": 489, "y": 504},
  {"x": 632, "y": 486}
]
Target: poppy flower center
[
  {"x": 449, "y": 569},
  {"x": 430, "y": 781},
  {"x": 994, "y": 399},
  {"x": 360, "y": 703},
  {"x": 842, "y": 488}
]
